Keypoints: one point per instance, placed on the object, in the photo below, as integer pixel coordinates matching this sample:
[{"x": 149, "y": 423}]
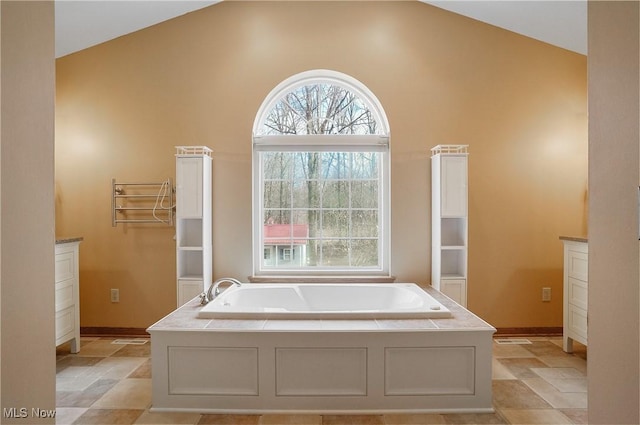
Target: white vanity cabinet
[
  {"x": 67, "y": 292},
  {"x": 193, "y": 221},
  {"x": 449, "y": 221},
  {"x": 575, "y": 292}
]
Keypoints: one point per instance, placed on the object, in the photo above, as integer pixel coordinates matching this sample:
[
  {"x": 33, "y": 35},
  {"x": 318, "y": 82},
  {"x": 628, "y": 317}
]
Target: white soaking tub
[{"x": 324, "y": 301}]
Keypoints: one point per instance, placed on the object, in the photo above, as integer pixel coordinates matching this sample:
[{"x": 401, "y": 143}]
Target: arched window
[{"x": 321, "y": 178}]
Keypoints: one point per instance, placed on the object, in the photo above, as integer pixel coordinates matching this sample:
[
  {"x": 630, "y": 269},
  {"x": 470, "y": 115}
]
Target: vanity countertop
[
  {"x": 67, "y": 240},
  {"x": 574, "y": 238}
]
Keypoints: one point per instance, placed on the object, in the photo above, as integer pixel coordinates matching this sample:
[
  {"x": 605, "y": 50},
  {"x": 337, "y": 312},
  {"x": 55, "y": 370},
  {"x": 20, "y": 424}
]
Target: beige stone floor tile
[
  {"x": 579, "y": 350},
  {"x": 99, "y": 348},
  {"x": 134, "y": 350},
  {"x": 74, "y": 383},
  {"x": 521, "y": 368},
  {"x": 143, "y": 371},
  {"x": 559, "y": 373},
  {"x": 110, "y": 367},
  {"x": 577, "y": 416},
  {"x": 290, "y": 420},
  {"x": 352, "y": 420},
  {"x": 87, "y": 397},
  {"x": 79, "y": 371},
  {"x": 167, "y": 418},
  {"x": 556, "y": 341},
  {"x": 69, "y": 360},
  {"x": 120, "y": 367},
  {"x": 109, "y": 416},
  {"x": 67, "y": 415},
  {"x": 506, "y": 351},
  {"x": 127, "y": 394},
  {"x": 229, "y": 420},
  {"x": 535, "y": 416},
  {"x": 474, "y": 418},
  {"x": 567, "y": 380},
  {"x": 508, "y": 394},
  {"x": 499, "y": 371},
  {"x": 545, "y": 348},
  {"x": 570, "y": 385},
  {"x": 413, "y": 419},
  {"x": 64, "y": 349},
  {"x": 569, "y": 361},
  {"x": 555, "y": 397}
]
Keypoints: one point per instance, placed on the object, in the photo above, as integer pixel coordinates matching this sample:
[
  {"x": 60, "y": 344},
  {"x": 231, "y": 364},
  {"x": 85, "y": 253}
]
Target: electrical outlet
[
  {"x": 115, "y": 295},
  {"x": 546, "y": 294}
]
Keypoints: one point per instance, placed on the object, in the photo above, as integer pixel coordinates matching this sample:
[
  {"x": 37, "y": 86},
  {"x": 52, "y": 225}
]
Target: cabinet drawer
[
  {"x": 578, "y": 322},
  {"x": 578, "y": 294},
  {"x": 65, "y": 266},
  {"x": 577, "y": 265},
  {"x": 65, "y": 323},
  {"x": 64, "y": 294}
]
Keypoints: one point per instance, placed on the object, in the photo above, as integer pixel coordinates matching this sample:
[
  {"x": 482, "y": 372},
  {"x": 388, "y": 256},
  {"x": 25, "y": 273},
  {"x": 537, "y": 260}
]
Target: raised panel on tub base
[
  {"x": 454, "y": 374},
  {"x": 334, "y": 372},
  {"x": 234, "y": 371}
]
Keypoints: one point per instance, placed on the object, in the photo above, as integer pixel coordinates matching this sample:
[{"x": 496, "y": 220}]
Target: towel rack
[{"x": 142, "y": 202}]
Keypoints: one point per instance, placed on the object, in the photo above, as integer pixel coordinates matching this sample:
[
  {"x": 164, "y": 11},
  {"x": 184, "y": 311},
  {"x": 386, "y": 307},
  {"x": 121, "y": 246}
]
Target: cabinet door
[
  {"x": 456, "y": 289},
  {"x": 189, "y": 187},
  {"x": 188, "y": 289},
  {"x": 453, "y": 186}
]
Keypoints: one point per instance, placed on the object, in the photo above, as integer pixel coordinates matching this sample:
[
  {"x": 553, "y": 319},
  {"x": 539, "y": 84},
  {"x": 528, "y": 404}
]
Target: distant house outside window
[{"x": 321, "y": 179}]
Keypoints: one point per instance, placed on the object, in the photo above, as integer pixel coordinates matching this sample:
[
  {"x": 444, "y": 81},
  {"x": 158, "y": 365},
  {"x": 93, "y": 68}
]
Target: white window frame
[{"x": 323, "y": 143}]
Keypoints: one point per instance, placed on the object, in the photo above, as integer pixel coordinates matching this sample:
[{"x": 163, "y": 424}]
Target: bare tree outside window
[{"x": 334, "y": 194}]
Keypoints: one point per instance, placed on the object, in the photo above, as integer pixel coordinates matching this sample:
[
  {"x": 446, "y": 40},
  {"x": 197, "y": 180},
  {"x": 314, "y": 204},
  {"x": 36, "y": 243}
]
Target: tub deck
[{"x": 322, "y": 366}]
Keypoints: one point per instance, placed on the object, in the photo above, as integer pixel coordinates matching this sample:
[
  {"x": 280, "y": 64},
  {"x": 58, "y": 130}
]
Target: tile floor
[{"x": 109, "y": 383}]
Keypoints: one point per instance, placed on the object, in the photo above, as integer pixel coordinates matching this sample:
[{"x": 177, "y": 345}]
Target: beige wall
[
  {"x": 200, "y": 79},
  {"x": 614, "y": 173},
  {"x": 27, "y": 216}
]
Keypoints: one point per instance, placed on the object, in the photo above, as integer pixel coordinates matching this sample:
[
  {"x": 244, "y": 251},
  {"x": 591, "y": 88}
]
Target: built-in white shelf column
[
  {"x": 449, "y": 220},
  {"x": 193, "y": 221}
]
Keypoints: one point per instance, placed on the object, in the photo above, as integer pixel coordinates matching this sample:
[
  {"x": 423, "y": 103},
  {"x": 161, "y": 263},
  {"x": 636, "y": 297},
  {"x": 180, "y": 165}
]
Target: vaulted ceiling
[{"x": 85, "y": 23}]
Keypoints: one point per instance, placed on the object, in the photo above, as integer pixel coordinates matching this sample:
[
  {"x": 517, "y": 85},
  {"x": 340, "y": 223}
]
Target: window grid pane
[{"x": 325, "y": 214}]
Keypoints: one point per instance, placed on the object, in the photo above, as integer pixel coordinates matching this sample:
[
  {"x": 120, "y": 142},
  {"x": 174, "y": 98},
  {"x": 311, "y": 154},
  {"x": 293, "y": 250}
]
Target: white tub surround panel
[{"x": 322, "y": 366}]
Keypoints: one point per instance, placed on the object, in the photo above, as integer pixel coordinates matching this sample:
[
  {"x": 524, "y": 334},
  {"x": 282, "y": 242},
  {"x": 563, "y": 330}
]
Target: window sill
[{"x": 322, "y": 279}]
